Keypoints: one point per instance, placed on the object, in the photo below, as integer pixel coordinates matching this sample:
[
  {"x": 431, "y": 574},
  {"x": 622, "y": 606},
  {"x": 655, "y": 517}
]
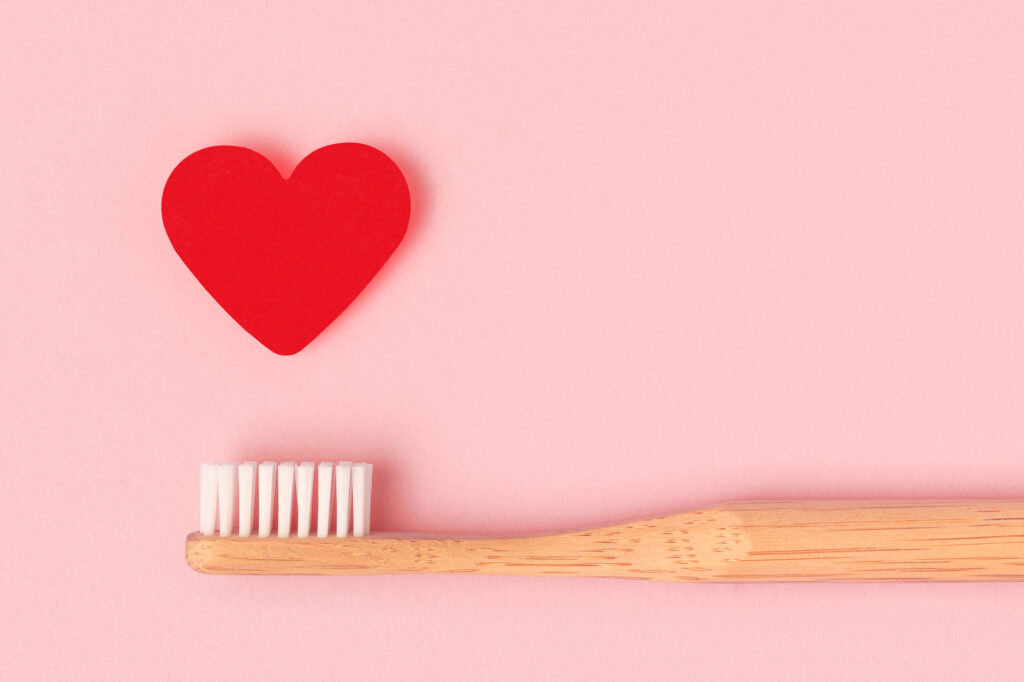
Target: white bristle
[
  {"x": 362, "y": 477},
  {"x": 304, "y": 496},
  {"x": 324, "y": 479},
  {"x": 227, "y": 494},
  {"x": 343, "y": 496},
  {"x": 228, "y": 488},
  {"x": 267, "y": 473},
  {"x": 246, "y": 497},
  {"x": 285, "y": 489},
  {"x": 207, "y": 498}
]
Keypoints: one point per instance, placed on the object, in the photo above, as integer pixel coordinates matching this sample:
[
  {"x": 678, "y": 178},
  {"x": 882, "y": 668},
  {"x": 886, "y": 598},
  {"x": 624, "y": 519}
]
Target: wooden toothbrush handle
[
  {"x": 870, "y": 541},
  {"x": 739, "y": 542}
]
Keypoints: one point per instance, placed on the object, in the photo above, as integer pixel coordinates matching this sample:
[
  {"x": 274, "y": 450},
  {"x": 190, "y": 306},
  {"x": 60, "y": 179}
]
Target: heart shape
[{"x": 284, "y": 257}]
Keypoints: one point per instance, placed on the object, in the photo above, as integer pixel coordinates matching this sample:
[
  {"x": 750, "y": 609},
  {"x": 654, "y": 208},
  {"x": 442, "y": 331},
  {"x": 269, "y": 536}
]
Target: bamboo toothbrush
[{"x": 969, "y": 540}]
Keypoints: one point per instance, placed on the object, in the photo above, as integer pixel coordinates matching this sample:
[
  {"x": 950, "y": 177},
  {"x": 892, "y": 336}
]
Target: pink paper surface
[{"x": 660, "y": 256}]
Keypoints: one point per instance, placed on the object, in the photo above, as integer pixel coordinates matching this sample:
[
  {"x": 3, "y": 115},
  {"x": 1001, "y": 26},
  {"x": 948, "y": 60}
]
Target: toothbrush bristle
[
  {"x": 267, "y": 482},
  {"x": 343, "y": 489},
  {"x": 207, "y": 498},
  {"x": 304, "y": 496},
  {"x": 362, "y": 475},
  {"x": 285, "y": 493},
  {"x": 325, "y": 482},
  {"x": 250, "y": 492},
  {"x": 227, "y": 496},
  {"x": 246, "y": 497}
]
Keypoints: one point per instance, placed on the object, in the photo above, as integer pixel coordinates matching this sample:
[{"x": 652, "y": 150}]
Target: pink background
[{"x": 661, "y": 255}]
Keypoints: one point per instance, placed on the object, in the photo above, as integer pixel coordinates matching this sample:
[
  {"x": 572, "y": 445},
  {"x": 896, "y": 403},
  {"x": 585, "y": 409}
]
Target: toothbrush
[{"x": 869, "y": 541}]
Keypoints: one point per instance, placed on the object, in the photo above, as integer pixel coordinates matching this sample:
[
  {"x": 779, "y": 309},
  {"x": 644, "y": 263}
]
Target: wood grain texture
[{"x": 738, "y": 542}]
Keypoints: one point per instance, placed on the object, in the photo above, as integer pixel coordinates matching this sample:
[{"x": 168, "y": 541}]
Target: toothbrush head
[{"x": 234, "y": 498}]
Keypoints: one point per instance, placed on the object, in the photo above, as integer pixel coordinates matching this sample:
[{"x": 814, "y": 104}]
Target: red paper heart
[{"x": 284, "y": 257}]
